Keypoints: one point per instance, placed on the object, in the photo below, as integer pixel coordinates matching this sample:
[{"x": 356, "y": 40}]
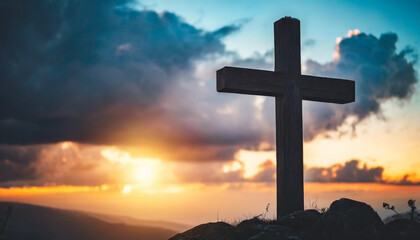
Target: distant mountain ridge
[
  {"x": 45, "y": 223},
  {"x": 177, "y": 227}
]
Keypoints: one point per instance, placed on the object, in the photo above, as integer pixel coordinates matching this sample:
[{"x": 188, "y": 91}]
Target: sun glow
[
  {"x": 144, "y": 174},
  {"x": 141, "y": 171},
  {"x": 66, "y": 145},
  {"x": 126, "y": 189}
]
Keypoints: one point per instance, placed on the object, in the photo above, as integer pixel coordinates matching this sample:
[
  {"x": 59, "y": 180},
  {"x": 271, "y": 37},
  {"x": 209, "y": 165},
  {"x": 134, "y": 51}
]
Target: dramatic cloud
[
  {"x": 18, "y": 163},
  {"x": 267, "y": 172},
  {"x": 349, "y": 172},
  {"x": 353, "y": 172},
  {"x": 103, "y": 73},
  {"x": 57, "y": 164},
  {"x": 86, "y": 165},
  {"x": 381, "y": 73},
  {"x": 93, "y": 72}
]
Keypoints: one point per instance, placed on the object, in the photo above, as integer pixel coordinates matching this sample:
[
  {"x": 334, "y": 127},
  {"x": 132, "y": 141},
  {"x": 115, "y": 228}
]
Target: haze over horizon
[{"x": 112, "y": 107}]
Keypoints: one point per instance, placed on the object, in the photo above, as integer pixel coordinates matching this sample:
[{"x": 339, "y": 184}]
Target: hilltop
[{"x": 345, "y": 219}]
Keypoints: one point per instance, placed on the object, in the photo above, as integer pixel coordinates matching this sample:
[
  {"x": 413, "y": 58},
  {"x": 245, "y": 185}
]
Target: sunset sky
[{"x": 111, "y": 106}]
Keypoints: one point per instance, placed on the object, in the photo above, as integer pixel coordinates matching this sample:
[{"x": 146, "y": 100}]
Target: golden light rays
[{"x": 140, "y": 171}]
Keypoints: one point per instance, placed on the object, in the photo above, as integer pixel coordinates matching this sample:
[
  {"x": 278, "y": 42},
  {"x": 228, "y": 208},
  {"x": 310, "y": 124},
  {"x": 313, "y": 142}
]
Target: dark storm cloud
[
  {"x": 18, "y": 163},
  {"x": 87, "y": 70},
  {"x": 351, "y": 171},
  {"x": 381, "y": 73},
  {"x": 100, "y": 72},
  {"x": 53, "y": 165}
]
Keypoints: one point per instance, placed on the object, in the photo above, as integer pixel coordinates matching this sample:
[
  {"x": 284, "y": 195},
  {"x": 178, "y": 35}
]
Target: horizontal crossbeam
[
  {"x": 324, "y": 89},
  {"x": 269, "y": 83},
  {"x": 251, "y": 81}
]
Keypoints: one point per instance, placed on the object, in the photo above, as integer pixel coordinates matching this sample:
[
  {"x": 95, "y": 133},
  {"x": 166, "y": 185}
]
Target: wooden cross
[{"x": 289, "y": 87}]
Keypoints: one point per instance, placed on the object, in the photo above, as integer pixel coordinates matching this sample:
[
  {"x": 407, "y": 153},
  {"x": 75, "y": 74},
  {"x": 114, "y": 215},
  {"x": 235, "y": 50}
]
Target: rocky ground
[{"x": 345, "y": 219}]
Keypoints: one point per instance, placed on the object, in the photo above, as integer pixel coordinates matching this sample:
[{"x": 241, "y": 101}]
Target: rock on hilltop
[{"x": 345, "y": 219}]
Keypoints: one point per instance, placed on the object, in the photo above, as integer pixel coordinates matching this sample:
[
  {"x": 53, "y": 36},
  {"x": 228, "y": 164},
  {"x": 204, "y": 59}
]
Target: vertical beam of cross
[{"x": 289, "y": 146}]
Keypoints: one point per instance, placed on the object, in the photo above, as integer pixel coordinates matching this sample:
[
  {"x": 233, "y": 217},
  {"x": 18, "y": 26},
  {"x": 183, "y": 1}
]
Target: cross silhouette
[{"x": 289, "y": 87}]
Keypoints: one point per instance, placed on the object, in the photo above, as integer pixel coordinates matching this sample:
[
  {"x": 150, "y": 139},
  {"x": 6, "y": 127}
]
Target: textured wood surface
[
  {"x": 289, "y": 145},
  {"x": 251, "y": 81},
  {"x": 324, "y": 89}
]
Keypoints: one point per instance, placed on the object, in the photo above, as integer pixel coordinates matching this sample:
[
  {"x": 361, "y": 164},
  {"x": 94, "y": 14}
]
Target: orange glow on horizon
[
  {"x": 16, "y": 191},
  {"x": 114, "y": 189},
  {"x": 309, "y": 186},
  {"x": 368, "y": 187},
  {"x": 197, "y": 203}
]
